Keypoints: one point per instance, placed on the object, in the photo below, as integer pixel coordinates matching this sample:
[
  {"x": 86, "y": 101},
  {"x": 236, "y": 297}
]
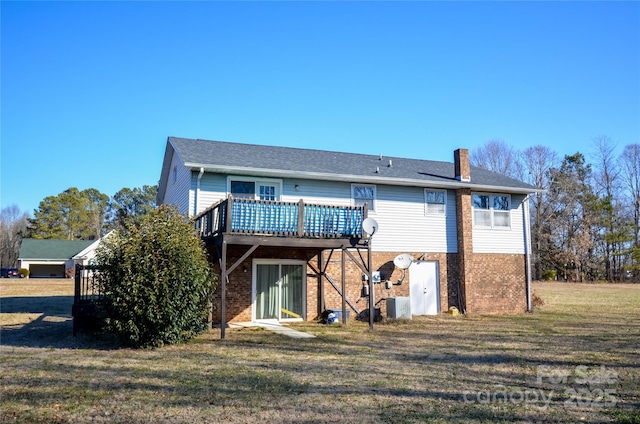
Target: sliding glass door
[{"x": 279, "y": 290}]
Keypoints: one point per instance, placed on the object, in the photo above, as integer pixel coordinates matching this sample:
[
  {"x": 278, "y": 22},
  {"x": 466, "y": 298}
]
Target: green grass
[{"x": 430, "y": 369}]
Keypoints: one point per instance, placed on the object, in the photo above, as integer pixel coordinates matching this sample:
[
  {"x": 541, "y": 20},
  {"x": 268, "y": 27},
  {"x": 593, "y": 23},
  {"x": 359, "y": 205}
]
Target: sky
[{"x": 90, "y": 91}]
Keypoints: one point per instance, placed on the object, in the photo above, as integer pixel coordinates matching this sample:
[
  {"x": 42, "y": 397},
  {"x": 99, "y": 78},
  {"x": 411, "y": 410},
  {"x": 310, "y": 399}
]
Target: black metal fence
[{"x": 86, "y": 298}]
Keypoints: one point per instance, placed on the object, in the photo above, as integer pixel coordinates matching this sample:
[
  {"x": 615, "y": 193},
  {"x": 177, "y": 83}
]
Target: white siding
[
  {"x": 404, "y": 226},
  {"x": 178, "y": 192},
  {"x": 213, "y": 188},
  {"x": 320, "y": 192},
  {"x": 499, "y": 240},
  {"x": 400, "y": 211}
]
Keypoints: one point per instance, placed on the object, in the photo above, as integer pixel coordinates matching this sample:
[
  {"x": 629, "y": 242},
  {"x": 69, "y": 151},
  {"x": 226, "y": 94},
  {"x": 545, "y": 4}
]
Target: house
[
  {"x": 284, "y": 227},
  {"x": 52, "y": 258}
]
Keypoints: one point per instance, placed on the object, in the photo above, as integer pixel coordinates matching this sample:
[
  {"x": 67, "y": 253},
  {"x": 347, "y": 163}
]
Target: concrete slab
[{"x": 275, "y": 328}]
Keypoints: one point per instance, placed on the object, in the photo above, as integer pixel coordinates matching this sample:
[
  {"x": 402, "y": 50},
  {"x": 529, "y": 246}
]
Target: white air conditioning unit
[{"x": 398, "y": 307}]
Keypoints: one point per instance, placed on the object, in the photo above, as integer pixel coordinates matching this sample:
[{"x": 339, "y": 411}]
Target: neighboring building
[
  {"x": 51, "y": 258},
  {"x": 466, "y": 229}
]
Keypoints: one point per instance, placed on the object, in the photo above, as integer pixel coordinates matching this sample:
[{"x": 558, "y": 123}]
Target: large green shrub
[{"x": 156, "y": 280}]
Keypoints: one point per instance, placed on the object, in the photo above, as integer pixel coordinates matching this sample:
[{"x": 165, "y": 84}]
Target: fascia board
[{"x": 357, "y": 178}]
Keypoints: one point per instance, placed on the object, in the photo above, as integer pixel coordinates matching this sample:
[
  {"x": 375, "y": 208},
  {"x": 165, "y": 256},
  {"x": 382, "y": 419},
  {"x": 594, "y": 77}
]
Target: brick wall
[{"x": 499, "y": 285}]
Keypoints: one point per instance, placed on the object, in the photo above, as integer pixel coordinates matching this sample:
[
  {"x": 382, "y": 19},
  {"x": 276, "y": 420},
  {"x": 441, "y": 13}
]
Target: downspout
[
  {"x": 197, "y": 194},
  {"x": 527, "y": 246}
]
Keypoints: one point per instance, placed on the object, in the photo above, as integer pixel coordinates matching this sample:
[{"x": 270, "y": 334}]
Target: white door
[{"x": 424, "y": 288}]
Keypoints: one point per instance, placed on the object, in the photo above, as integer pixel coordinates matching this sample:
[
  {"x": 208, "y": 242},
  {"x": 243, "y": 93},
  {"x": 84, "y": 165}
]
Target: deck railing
[{"x": 282, "y": 219}]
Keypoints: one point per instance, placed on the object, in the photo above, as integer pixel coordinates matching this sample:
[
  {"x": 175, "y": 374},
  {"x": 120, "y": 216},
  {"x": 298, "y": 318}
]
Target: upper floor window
[
  {"x": 364, "y": 194},
  {"x": 174, "y": 175},
  {"x": 248, "y": 188},
  {"x": 491, "y": 210},
  {"x": 435, "y": 201}
]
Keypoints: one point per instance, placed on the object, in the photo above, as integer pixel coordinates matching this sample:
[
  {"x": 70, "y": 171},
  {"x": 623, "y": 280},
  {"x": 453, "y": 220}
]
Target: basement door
[
  {"x": 424, "y": 288},
  {"x": 279, "y": 290}
]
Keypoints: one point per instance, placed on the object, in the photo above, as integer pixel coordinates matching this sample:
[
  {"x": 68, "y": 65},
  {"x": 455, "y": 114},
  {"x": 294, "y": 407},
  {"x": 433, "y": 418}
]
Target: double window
[
  {"x": 364, "y": 194},
  {"x": 491, "y": 210},
  {"x": 435, "y": 202},
  {"x": 246, "y": 188}
]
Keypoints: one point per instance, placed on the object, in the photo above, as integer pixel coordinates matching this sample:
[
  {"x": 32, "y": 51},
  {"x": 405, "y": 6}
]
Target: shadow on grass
[{"x": 52, "y": 329}]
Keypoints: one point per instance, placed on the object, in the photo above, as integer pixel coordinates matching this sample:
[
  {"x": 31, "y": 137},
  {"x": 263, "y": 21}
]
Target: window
[
  {"x": 247, "y": 188},
  {"x": 174, "y": 175},
  {"x": 267, "y": 192},
  {"x": 243, "y": 189},
  {"x": 491, "y": 210},
  {"x": 435, "y": 201},
  {"x": 364, "y": 194}
]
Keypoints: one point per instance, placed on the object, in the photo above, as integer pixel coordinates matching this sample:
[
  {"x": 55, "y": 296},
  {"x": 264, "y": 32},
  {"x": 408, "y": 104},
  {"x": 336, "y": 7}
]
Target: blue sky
[{"x": 91, "y": 90}]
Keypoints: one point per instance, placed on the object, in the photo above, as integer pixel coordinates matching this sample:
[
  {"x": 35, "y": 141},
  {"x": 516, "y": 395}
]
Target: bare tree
[
  {"x": 538, "y": 161},
  {"x": 498, "y": 156},
  {"x": 630, "y": 176},
  {"x": 13, "y": 226},
  {"x": 613, "y": 234}
]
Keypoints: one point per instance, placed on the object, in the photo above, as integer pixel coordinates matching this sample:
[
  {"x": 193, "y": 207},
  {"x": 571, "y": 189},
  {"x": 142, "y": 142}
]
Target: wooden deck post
[
  {"x": 344, "y": 288},
  {"x": 227, "y": 223},
  {"x": 321, "y": 267},
  {"x": 223, "y": 290},
  {"x": 301, "y": 218}
]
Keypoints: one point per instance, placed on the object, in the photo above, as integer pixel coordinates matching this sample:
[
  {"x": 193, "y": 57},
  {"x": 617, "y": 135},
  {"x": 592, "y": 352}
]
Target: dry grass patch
[{"x": 430, "y": 369}]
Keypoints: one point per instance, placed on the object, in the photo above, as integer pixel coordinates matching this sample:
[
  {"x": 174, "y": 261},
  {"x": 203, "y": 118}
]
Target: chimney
[{"x": 462, "y": 166}]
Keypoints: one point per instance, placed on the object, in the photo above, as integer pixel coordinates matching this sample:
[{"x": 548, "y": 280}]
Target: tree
[
  {"x": 630, "y": 176},
  {"x": 131, "y": 204},
  {"x": 614, "y": 230},
  {"x": 71, "y": 215},
  {"x": 573, "y": 218},
  {"x": 156, "y": 280},
  {"x": 538, "y": 161},
  {"x": 13, "y": 226},
  {"x": 498, "y": 156}
]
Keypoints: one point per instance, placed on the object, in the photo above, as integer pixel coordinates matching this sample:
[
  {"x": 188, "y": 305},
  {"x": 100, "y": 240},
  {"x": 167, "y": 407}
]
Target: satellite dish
[
  {"x": 370, "y": 226},
  {"x": 403, "y": 261}
]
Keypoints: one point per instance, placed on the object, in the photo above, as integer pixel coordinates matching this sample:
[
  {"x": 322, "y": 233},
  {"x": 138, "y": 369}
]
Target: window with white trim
[
  {"x": 248, "y": 188},
  {"x": 435, "y": 202},
  {"x": 364, "y": 194},
  {"x": 491, "y": 210}
]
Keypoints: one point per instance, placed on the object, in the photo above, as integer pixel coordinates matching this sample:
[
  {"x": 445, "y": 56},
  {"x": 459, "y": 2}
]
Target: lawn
[{"x": 575, "y": 359}]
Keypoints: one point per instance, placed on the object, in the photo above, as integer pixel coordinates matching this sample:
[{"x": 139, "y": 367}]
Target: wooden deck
[{"x": 246, "y": 221}]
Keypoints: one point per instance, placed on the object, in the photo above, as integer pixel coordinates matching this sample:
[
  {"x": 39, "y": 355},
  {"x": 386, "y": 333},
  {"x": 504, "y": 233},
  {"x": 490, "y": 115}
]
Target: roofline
[
  {"x": 221, "y": 169},
  {"x": 45, "y": 259}
]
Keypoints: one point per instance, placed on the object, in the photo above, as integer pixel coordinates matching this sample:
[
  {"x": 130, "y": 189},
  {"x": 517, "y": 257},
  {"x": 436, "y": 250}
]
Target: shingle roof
[
  {"x": 51, "y": 248},
  {"x": 219, "y": 156}
]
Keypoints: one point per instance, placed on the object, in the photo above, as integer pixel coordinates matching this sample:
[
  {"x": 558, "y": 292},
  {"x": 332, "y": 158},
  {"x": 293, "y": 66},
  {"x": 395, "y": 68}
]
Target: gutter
[
  {"x": 527, "y": 246},
  {"x": 197, "y": 193}
]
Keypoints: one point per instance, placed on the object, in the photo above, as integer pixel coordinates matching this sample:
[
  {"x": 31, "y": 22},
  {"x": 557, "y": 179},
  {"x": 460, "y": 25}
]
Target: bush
[
  {"x": 24, "y": 272},
  {"x": 156, "y": 280},
  {"x": 549, "y": 275}
]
